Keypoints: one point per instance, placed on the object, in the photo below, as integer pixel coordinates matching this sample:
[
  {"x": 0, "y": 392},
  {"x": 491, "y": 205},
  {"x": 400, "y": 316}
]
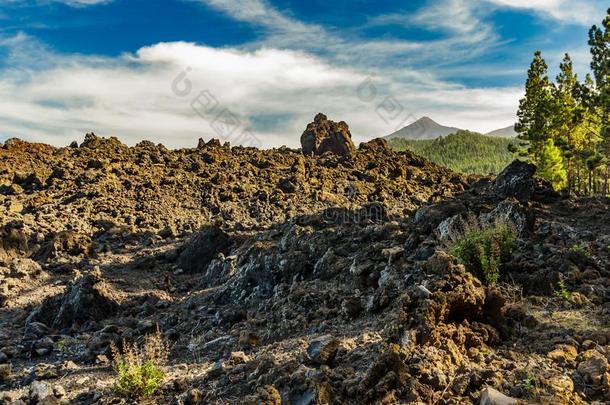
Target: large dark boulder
[
  {"x": 518, "y": 180},
  {"x": 88, "y": 298},
  {"x": 202, "y": 248},
  {"x": 323, "y": 136}
]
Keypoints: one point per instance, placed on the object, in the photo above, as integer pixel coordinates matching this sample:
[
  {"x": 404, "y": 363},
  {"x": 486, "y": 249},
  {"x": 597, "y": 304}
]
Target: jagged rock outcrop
[
  {"x": 86, "y": 299},
  {"x": 202, "y": 248},
  {"x": 323, "y": 135},
  {"x": 518, "y": 181}
]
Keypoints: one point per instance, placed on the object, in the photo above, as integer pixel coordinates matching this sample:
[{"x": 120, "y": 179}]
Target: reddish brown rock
[
  {"x": 377, "y": 144},
  {"x": 324, "y": 135}
]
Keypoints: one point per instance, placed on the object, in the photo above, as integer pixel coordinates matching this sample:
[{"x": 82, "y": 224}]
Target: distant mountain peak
[
  {"x": 423, "y": 128},
  {"x": 427, "y": 128},
  {"x": 427, "y": 121}
]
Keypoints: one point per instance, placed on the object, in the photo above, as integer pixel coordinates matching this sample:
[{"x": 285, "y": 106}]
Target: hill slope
[
  {"x": 463, "y": 151},
  {"x": 508, "y": 132},
  {"x": 423, "y": 128}
]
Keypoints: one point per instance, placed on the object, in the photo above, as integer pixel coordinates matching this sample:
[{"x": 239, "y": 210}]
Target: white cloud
[
  {"x": 283, "y": 31},
  {"x": 273, "y": 92},
  {"x": 468, "y": 33},
  {"x": 583, "y": 12},
  {"x": 82, "y": 3},
  {"x": 455, "y": 16},
  {"x": 72, "y": 3},
  {"x": 258, "y": 11}
]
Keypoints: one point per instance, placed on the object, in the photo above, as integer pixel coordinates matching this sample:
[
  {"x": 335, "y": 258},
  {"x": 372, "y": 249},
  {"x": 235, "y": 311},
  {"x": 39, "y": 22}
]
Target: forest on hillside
[
  {"x": 563, "y": 127},
  {"x": 465, "y": 151}
]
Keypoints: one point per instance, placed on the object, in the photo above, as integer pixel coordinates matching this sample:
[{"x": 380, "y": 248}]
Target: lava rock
[
  {"x": 323, "y": 350},
  {"x": 594, "y": 369},
  {"x": 512, "y": 213},
  {"x": 202, "y": 248},
  {"x": 44, "y": 394},
  {"x": 324, "y": 135},
  {"x": 5, "y": 372},
  {"x": 86, "y": 299},
  {"x": 517, "y": 180},
  {"x": 377, "y": 144}
]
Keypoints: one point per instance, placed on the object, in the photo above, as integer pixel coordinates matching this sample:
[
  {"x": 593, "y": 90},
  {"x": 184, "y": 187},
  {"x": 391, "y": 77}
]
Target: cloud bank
[
  {"x": 584, "y": 12},
  {"x": 271, "y": 93}
]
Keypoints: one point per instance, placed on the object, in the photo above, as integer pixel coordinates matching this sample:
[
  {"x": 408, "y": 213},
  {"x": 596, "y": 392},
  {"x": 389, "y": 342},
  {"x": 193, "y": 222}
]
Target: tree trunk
[
  {"x": 578, "y": 183},
  {"x": 606, "y": 181},
  {"x": 570, "y": 177}
]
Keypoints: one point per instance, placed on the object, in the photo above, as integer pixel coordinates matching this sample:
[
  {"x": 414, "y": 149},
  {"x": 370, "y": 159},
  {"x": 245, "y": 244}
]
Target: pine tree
[
  {"x": 535, "y": 109},
  {"x": 551, "y": 165},
  {"x": 567, "y": 115},
  {"x": 587, "y": 135},
  {"x": 599, "y": 41}
]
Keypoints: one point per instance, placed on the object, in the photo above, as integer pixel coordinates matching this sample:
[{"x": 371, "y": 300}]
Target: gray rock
[
  {"x": 511, "y": 212},
  {"x": 490, "y": 396},
  {"x": 304, "y": 398},
  {"x": 451, "y": 228},
  {"x": 42, "y": 393},
  {"x": 516, "y": 180},
  {"x": 35, "y": 330},
  {"x": 423, "y": 292},
  {"x": 219, "y": 368}
]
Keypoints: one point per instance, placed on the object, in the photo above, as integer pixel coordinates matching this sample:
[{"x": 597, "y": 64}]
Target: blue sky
[{"x": 257, "y": 71}]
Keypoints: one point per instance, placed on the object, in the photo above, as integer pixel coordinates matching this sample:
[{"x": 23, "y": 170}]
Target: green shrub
[
  {"x": 579, "y": 250},
  {"x": 484, "y": 250},
  {"x": 139, "y": 369},
  {"x": 562, "y": 291}
]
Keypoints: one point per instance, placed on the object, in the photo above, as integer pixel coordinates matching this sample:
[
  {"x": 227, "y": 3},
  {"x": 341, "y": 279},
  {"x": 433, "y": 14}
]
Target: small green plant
[
  {"x": 484, "y": 250},
  {"x": 530, "y": 387},
  {"x": 561, "y": 291},
  {"x": 139, "y": 369},
  {"x": 579, "y": 250},
  {"x": 62, "y": 345}
]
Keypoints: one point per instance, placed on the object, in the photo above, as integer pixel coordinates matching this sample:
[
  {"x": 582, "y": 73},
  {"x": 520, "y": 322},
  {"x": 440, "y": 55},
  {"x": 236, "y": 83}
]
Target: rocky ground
[{"x": 311, "y": 276}]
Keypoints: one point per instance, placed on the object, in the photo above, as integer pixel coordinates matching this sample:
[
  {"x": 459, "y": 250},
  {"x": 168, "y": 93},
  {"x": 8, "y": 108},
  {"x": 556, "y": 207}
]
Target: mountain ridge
[
  {"x": 423, "y": 128},
  {"x": 507, "y": 132},
  {"x": 426, "y": 128}
]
